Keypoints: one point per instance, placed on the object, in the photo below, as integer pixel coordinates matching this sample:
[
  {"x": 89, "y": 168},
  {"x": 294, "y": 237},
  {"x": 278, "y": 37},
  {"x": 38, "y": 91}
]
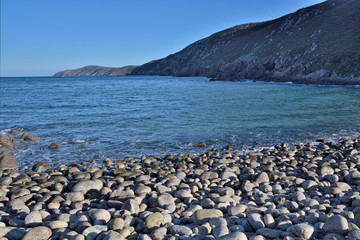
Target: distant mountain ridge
[
  {"x": 93, "y": 70},
  {"x": 318, "y": 44}
]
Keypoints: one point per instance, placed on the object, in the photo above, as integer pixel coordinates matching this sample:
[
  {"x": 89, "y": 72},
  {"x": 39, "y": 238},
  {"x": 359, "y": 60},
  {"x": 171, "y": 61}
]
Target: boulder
[
  {"x": 87, "y": 185},
  {"x": 91, "y": 233},
  {"x": 7, "y": 140},
  {"x": 54, "y": 146},
  {"x": 28, "y": 137},
  {"x": 40, "y": 167},
  {"x": 255, "y": 221},
  {"x": 233, "y": 236},
  {"x": 200, "y": 145},
  {"x": 181, "y": 230},
  {"x": 303, "y": 230},
  {"x": 154, "y": 220},
  {"x": 132, "y": 206},
  {"x": 8, "y": 162},
  {"x": 34, "y": 218},
  {"x": 38, "y": 233},
  {"x": 336, "y": 224},
  {"x": 100, "y": 216},
  {"x": 204, "y": 215}
]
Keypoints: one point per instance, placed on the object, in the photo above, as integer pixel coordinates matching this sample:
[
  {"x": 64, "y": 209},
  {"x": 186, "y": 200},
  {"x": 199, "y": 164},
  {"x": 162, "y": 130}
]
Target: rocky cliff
[
  {"x": 318, "y": 44},
  {"x": 96, "y": 71}
]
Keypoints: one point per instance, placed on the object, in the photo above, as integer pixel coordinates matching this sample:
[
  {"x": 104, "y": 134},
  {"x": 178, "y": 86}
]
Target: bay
[{"x": 100, "y": 117}]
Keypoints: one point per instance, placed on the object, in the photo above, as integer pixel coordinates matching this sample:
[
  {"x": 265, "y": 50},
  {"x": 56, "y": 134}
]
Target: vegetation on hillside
[{"x": 318, "y": 44}]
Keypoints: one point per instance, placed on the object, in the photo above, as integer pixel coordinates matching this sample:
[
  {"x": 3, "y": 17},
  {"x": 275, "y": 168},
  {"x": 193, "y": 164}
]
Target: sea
[{"x": 94, "y": 118}]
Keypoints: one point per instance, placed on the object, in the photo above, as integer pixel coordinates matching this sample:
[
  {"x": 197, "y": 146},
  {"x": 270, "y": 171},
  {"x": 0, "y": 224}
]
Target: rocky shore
[{"x": 310, "y": 191}]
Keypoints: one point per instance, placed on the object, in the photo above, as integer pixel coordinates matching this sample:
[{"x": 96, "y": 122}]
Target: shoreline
[
  {"x": 309, "y": 192},
  {"x": 339, "y": 82},
  {"x": 69, "y": 151}
]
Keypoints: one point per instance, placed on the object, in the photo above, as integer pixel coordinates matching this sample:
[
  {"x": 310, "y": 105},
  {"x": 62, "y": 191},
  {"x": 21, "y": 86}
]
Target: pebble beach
[{"x": 309, "y": 191}]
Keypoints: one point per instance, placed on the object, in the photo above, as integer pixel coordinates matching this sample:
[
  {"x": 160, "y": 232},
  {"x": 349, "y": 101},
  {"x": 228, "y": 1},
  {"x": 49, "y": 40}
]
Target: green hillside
[{"x": 318, "y": 44}]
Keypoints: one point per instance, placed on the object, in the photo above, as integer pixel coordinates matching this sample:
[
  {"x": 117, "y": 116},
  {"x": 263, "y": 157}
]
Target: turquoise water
[{"x": 135, "y": 115}]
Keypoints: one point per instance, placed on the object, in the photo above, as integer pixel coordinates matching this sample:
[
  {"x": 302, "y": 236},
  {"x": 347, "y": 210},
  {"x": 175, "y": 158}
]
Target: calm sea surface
[{"x": 99, "y": 117}]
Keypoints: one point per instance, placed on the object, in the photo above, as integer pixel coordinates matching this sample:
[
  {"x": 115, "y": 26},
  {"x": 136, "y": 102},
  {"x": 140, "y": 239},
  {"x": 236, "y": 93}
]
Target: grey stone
[
  {"x": 183, "y": 193},
  {"x": 283, "y": 225},
  {"x": 142, "y": 189},
  {"x": 100, "y": 215},
  {"x": 255, "y": 221},
  {"x": 336, "y": 224},
  {"x": 159, "y": 233},
  {"x": 8, "y": 162},
  {"x": 112, "y": 235},
  {"x": 143, "y": 237},
  {"x": 354, "y": 234},
  {"x": 164, "y": 200},
  {"x": 236, "y": 228},
  {"x": 220, "y": 231},
  {"x": 132, "y": 206},
  {"x": 75, "y": 196},
  {"x": 204, "y": 215},
  {"x": 12, "y": 233},
  {"x": 58, "y": 224},
  {"x": 38, "y": 233},
  {"x": 228, "y": 175},
  {"x": 116, "y": 224},
  {"x": 234, "y": 236},
  {"x": 269, "y": 233},
  {"x": 303, "y": 230},
  {"x": 34, "y": 218},
  {"x": 154, "y": 220},
  {"x": 92, "y": 232},
  {"x": 233, "y": 211},
  {"x": 181, "y": 230},
  {"x": 208, "y": 175},
  {"x": 262, "y": 178},
  {"x": 333, "y": 236},
  {"x": 309, "y": 185},
  {"x": 6, "y": 140},
  {"x": 207, "y": 203},
  {"x": 87, "y": 185},
  {"x": 269, "y": 221},
  {"x": 299, "y": 196}
]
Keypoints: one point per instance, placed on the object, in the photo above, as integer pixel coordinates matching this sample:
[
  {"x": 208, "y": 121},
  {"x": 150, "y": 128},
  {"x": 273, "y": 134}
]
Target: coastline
[
  {"x": 319, "y": 82},
  {"x": 309, "y": 191}
]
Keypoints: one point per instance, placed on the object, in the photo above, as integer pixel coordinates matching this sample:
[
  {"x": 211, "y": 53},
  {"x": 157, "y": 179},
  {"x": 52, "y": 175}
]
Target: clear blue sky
[{"x": 41, "y": 37}]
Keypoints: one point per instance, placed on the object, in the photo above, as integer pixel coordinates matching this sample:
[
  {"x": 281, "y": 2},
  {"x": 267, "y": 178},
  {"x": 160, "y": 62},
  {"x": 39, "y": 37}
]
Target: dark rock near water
[
  {"x": 7, "y": 140},
  {"x": 8, "y": 162},
  {"x": 40, "y": 167},
  {"x": 200, "y": 145},
  {"x": 28, "y": 137},
  {"x": 54, "y": 146}
]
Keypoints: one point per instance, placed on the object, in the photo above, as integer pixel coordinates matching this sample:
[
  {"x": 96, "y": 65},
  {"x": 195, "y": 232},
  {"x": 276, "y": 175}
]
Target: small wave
[
  {"x": 78, "y": 141},
  {"x": 248, "y": 81},
  {"x": 5, "y": 131}
]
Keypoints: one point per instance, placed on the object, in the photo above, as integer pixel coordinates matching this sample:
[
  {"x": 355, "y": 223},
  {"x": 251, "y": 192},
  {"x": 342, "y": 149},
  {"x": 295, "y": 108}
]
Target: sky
[{"x": 42, "y": 37}]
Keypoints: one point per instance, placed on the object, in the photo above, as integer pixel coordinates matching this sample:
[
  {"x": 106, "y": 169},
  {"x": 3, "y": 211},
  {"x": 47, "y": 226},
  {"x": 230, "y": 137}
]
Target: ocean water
[{"x": 116, "y": 117}]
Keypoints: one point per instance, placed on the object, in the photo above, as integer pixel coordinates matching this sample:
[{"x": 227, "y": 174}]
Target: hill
[
  {"x": 96, "y": 71},
  {"x": 318, "y": 44}
]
